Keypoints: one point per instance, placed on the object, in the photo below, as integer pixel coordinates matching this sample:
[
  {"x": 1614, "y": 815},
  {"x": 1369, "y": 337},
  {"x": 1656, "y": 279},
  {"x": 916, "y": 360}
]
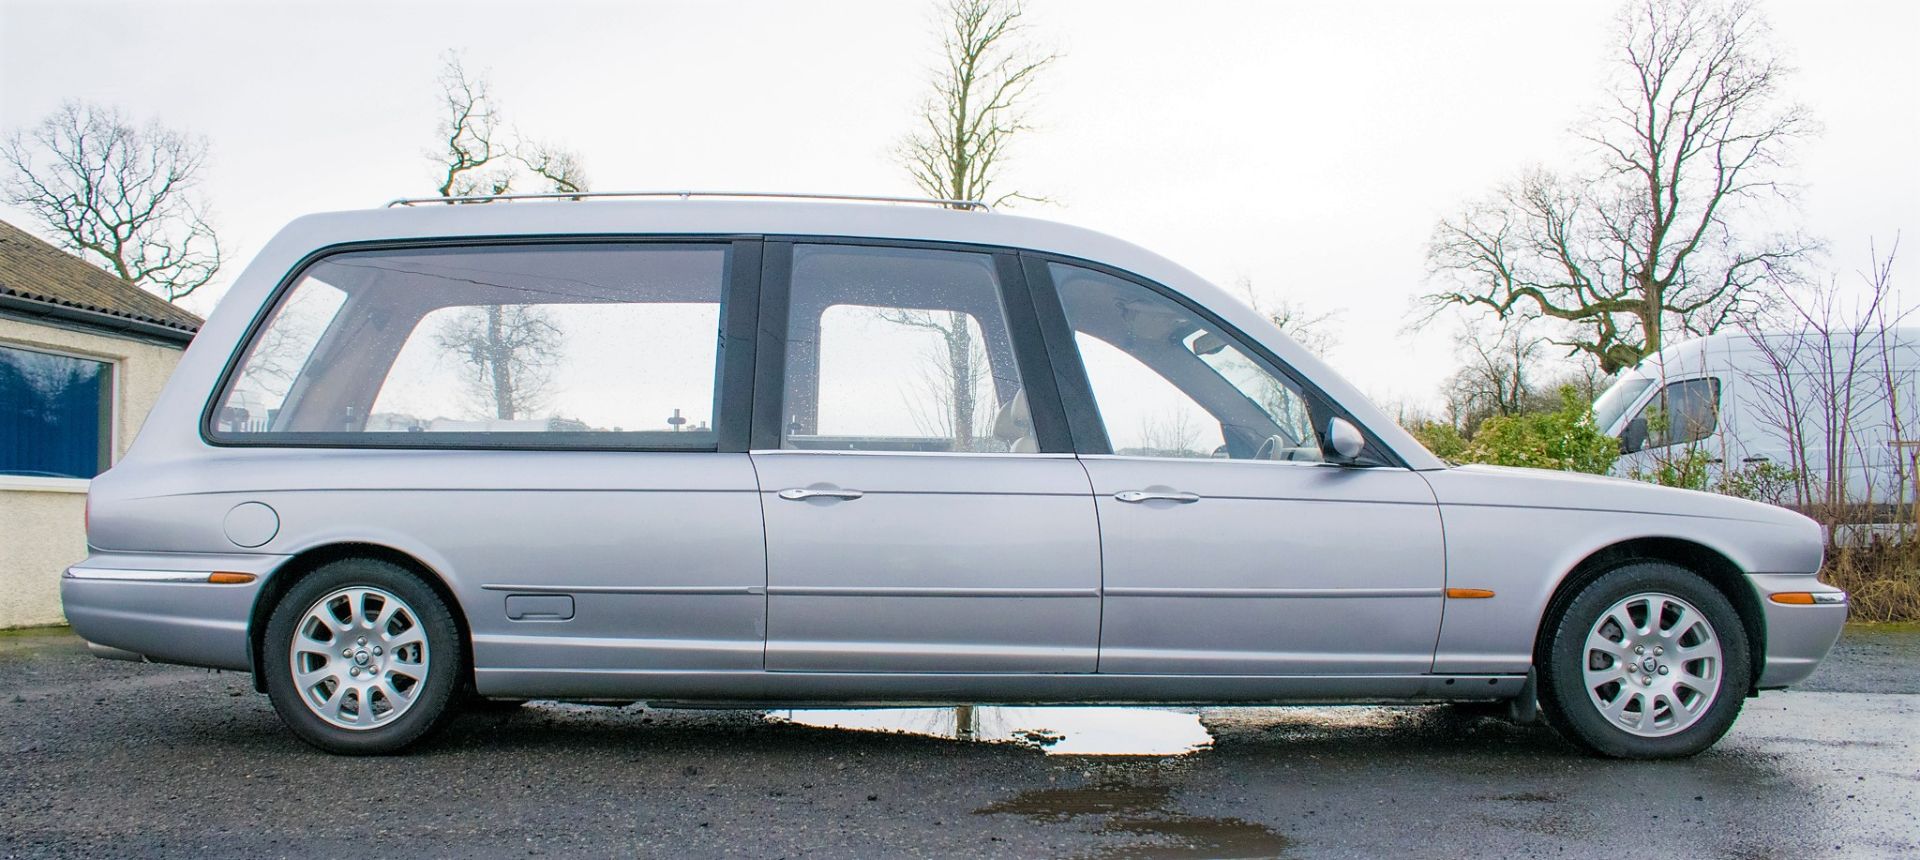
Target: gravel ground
[{"x": 100, "y": 758}]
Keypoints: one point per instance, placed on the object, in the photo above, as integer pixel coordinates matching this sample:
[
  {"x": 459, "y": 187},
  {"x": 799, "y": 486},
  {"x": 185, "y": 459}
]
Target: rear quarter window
[{"x": 554, "y": 345}]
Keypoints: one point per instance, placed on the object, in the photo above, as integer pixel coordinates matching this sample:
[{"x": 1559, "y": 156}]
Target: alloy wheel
[
  {"x": 359, "y": 658},
  {"x": 1652, "y": 664}
]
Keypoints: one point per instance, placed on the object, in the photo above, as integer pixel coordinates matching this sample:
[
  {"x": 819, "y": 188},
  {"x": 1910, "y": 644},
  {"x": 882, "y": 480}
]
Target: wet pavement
[{"x": 114, "y": 759}]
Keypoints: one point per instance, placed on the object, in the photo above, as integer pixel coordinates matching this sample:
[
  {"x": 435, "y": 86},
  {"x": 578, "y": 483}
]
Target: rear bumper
[
  {"x": 1798, "y": 636},
  {"x": 161, "y": 607}
]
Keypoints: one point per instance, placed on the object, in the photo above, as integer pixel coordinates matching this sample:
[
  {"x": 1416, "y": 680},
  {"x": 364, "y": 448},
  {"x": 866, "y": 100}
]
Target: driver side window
[
  {"x": 1168, "y": 384},
  {"x": 1145, "y": 415}
]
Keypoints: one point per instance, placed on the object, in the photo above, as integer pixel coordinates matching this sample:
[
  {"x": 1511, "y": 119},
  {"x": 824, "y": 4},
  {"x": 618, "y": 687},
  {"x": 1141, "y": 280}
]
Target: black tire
[
  {"x": 1562, "y": 657},
  {"x": 430, "y": 706}
]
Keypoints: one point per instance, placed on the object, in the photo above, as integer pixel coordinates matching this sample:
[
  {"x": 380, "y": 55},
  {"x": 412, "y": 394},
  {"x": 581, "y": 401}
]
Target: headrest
[{"x": 1014, "y": 421}]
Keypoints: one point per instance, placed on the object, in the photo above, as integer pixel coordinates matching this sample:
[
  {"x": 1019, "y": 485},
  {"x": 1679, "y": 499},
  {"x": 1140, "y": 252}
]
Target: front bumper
[
  {"x": 161, "y": 606},
  {"x": 1798, "y": 635}
]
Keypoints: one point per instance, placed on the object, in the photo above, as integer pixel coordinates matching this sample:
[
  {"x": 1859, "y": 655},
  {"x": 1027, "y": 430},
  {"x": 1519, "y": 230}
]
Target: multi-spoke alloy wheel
[
  {"x": 1646, "y": 660},
  {"x": 359, "y": 657},
  {"x": 1653, "y": 664},
  {"x": 362, "y": 656}
]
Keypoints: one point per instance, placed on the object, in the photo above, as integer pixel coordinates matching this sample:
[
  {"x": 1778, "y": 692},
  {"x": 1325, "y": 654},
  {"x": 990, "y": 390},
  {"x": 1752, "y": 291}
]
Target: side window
[
  {"x": 1167, "y": 384},
  {"x": 1683, "y": 412},
  {"x": 595, "y": 345},
  {"x": 1153, "y": 418},
  {"x": 279, "y": 353},
  {"x": 896, "y": 349}
]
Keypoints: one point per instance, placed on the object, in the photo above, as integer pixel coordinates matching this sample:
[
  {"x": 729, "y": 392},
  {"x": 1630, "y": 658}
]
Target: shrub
[
  {"x": 1443, "y": 439},
  {"x": 1564, "y": 439}
]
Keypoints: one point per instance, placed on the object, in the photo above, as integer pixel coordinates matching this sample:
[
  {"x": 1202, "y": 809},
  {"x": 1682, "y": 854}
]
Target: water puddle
[
  {"x": 1143, "y": 814},
  {"x": 1058, "y": 731}
]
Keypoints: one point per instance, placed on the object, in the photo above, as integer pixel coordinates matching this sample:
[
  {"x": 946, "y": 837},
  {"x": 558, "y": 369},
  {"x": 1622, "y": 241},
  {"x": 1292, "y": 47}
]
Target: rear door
[{"x": 923, "y": 511}]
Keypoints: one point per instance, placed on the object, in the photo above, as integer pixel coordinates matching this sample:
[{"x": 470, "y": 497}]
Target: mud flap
[{"x": 1524, "y": 708}]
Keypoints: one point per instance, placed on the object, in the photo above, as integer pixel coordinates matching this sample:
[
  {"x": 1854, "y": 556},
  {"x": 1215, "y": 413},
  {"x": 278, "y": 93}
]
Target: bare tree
[
  {"x": 1835, "y": 395},
  {"x": 1314, "y": 330},
  {"x": 474, "y": 152},
  {"x": 116, "y": 194},
  {"x": 560, "y": 169},
  {"x": 1651, "y": 237},
  {"x": 1830, "y": 359},
  {"x": 956, "y": 376},
  {"x": 978, "y": 103},
  {"x": 1171, "y": 433},
  {"x": 1496, "y": 376},
  {"x": 510, "y": 349},
  {"x": 977, "y": 107}
]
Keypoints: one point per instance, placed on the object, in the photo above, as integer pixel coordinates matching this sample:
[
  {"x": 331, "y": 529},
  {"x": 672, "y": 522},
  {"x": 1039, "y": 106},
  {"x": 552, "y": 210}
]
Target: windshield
[{"x": 1615, "y": 401}]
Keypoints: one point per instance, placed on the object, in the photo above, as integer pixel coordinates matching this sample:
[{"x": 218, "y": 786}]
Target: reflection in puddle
[
  {"x": 1144, "y": 812},
  {"x": 1059, "y": 731}
]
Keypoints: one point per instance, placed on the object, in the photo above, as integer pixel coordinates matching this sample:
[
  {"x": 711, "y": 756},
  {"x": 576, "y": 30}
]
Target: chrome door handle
[
  {"x": 1138, "y": 496},
  {"x": 798, "y": 494}
]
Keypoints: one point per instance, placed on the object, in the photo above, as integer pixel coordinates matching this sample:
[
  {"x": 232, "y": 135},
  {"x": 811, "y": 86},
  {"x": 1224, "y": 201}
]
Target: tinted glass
[
  {"x": 56, "y": 414},
  {"x": 1617, "y": 398},
  {"x": 612, "y": 345},
  {"x": 1170, "y": 384},
  {"x": 893, "y": 349},
  {"x": 1685, "y": 411}
]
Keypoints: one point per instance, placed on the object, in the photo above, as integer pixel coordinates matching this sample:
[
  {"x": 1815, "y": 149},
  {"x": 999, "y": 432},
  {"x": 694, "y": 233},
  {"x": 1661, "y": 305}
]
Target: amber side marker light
[
  {"x": 224, "y": 577},
  {"x": 1469, "y": 593},
  {"x": 1808, "y": 598}
]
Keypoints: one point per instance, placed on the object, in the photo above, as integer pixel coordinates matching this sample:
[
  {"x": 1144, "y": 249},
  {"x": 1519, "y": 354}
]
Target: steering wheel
[{"x": 1269, "y": 449}]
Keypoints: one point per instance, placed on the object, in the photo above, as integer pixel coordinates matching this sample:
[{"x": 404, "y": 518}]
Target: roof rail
[{"x": 973, "y": 205}]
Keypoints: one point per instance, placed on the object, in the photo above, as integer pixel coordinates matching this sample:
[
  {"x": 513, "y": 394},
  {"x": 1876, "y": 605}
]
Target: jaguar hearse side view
[{"x": 710, "y": 451}]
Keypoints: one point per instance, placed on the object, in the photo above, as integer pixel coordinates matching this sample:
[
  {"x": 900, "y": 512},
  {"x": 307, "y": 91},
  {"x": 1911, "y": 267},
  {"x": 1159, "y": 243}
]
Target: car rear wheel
[
  {"x": 362, "y": 657},
  {"x": 1647, "y": 661}
]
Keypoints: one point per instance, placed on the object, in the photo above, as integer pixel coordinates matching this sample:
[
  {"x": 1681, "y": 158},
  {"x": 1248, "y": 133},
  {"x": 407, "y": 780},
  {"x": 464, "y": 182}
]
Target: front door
[
  {"x": 1230, "y": 547},
  {"x": 914, "y": 522}
]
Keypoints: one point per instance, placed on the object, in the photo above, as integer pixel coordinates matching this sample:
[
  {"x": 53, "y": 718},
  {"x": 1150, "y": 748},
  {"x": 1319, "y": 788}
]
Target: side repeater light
[{"x": 1809, "y": 598}]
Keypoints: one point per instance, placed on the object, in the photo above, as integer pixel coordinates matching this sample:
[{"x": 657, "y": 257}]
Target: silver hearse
[{"x": 757, "y": 451}]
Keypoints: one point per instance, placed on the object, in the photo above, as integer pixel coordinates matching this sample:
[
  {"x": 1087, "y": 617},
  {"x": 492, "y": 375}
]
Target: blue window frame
[{"x": 56, "y": 414}]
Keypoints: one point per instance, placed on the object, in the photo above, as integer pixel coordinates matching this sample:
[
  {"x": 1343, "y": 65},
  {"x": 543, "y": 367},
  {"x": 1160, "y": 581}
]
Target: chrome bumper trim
[{"x": 116, "y": 575}]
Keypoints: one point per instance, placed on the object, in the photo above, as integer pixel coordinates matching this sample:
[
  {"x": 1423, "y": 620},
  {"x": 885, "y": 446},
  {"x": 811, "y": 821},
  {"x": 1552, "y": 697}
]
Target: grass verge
[{"x": 1882, "y": 579}]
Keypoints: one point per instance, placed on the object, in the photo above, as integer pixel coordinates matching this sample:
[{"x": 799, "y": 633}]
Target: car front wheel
[
  {"x": 361, "y": 657},
  {"x": 1647, "y": 661}
]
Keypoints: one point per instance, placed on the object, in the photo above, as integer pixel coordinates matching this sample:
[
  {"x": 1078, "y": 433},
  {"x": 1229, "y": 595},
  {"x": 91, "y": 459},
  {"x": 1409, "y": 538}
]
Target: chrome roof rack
[{"x": 972, "y": 205}]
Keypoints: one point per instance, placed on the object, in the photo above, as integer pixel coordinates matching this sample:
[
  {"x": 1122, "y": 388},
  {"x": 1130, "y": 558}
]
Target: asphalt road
[{"x": 114, "y": 759}]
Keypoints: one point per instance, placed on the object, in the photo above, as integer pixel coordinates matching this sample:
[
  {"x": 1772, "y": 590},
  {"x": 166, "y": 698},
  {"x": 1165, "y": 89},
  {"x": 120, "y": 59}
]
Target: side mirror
[
  {"x": 1634, "y": 436},
  {"x": 1342, "y": 442}
]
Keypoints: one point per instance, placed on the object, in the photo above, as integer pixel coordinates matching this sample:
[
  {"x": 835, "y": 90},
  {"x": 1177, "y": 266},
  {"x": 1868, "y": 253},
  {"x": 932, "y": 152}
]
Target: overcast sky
[{"x": 1307, "y": 148}]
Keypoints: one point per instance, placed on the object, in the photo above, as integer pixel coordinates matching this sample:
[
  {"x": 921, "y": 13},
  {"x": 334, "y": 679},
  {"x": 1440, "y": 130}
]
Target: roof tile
[{"x": 33, "y": 269}]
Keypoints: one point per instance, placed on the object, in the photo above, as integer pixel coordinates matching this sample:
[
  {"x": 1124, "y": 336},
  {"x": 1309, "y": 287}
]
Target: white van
[{"x": 1801, "y": 401}]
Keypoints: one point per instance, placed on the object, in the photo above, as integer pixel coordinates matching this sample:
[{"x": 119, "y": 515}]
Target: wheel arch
[
  {"x": 1709, "y": 564},
  {"x": 297, "y": 567}
]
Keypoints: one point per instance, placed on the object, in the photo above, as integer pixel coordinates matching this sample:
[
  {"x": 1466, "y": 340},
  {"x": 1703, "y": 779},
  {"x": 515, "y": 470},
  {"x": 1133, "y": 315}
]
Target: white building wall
[{"x": 42, "y": 520}]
